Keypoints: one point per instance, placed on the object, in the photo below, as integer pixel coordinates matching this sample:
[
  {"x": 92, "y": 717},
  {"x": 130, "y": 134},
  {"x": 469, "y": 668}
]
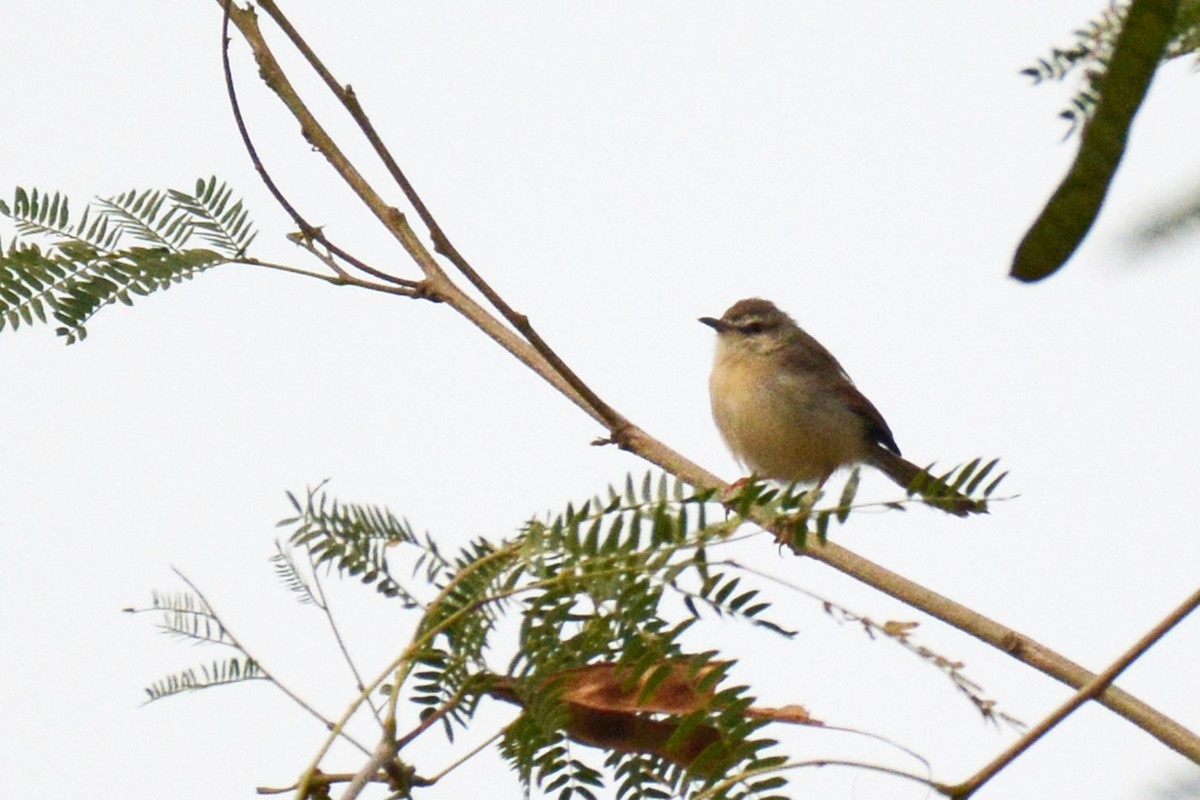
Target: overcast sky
[{"x": 616, "y": 170}]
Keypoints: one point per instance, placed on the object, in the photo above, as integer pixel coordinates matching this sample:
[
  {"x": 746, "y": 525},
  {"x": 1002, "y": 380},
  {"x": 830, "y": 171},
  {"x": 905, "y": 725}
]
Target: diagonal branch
[
  {"x": 310, "y": 231},
  {"x": 438, "y": 286},
  {"x": 1087, "y": 692},
  {"x": 441, "y": 242},
  {"x": 1005, "y": 639}
]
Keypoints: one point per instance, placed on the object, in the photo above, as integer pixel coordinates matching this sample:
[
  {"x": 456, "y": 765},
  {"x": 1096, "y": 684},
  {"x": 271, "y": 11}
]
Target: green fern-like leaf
[
  {"x": 219, "y": 673},
  {"x": 67, "y": 271},
  {"x": 223, "y": 224},
  {"x": 187, "y": 616},
  {"x": 353, "y": 539},
  {"x": 290, "y": 575}
]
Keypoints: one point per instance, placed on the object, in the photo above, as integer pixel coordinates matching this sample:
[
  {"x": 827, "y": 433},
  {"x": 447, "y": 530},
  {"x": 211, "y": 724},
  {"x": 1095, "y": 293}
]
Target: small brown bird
[{"x": 788, "y": 410}]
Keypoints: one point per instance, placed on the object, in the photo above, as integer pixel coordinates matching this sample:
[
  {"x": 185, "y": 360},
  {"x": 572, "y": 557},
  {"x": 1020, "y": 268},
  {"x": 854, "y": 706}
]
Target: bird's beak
[{"x": 718, "y": 325}]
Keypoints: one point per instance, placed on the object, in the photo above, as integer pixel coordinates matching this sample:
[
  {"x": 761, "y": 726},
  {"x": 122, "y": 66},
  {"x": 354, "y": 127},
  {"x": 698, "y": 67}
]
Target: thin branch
[
  {"x": 952, "y": 669},
  {"x": 429, "y": 721},
  {"x": 327, "y": 779},
  {"x": 385, "y": 751},
  {"x": 336, "y": 280},
  {"x": 459, "y": 762},
  {"x": 340, "y": 279},
  {"x": 441, "y": 242},
  {"x": 323, "y": 604},
  {"x": 307, "y": 229},
  {"x": 438, "y": 286},
  {"x": 402, "y": 664},
  {"x": 914, "y": 755},
  {"x": 266, "y": 674},
  {"x": 1085, "y": 693}
]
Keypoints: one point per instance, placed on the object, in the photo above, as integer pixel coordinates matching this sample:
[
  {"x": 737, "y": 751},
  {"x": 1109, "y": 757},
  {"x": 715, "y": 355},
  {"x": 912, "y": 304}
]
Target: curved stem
[{"x": 231, "y": 12}]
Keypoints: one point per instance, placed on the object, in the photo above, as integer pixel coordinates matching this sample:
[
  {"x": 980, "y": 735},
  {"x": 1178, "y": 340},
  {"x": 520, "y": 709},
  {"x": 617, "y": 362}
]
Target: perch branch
[{"x": 437, "y": 285}]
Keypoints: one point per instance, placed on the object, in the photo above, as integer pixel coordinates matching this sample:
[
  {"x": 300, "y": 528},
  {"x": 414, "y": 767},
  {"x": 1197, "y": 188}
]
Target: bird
[{"x": 788, "y": 411}]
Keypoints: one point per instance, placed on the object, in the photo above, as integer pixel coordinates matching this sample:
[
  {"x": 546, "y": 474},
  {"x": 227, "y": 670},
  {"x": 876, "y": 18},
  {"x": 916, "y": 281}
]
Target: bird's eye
[{"x": 752, "y": 328}]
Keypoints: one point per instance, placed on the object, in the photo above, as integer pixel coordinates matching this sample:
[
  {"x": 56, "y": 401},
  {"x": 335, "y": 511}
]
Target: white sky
[{"x": 616, "y": 170}]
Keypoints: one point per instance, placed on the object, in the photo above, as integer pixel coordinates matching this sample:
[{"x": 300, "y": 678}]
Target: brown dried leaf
[
  {"x": 898, "y": 629},
  {"x": 792, "y": 714},
  {"x": 634, "y": 733},
  {"x": 607, "y": 687}
]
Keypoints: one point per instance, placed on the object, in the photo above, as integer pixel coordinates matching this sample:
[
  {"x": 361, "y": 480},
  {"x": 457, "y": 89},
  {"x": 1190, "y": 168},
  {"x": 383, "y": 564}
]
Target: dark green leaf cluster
[
  {"x": 792, "y": 509},
  {"x": 595, "y": 581},
  {"x": 602, "y": 595},
  {"x": 295, "y": 579},
  {"x": 549, "y": 761},
  {"x": 456, "y": 628},
  {"x": 209, "y": 214},
  {"x": 792, "y": 515},
  {"x": 638, "y": 776},
  {"x": 592, "y": 585},
  {"x": 1089, "y": 55},
  {"x": 68, "y": 270},
  {"x": 599, "y": 574}
]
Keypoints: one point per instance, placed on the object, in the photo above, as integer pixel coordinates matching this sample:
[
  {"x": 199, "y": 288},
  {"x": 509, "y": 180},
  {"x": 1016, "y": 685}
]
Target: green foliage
[
  {"x": 68, "y": 270},
  {"x": 294, "y": 578},
  {"x": 1089, "y": 55},
  {"x": 186, "y": 615},
  {"x": 791, "y": 511},
  {"x": 967, "y": 479},
  {"x": 596, "y": 601},
  {"x": 352, "y": 539},
  {"x": 616, "y": 580},
  {"x": 219, "y": 673},
  {"x": 598, "y": 580},
  {"x": 1137, "y": 47}
]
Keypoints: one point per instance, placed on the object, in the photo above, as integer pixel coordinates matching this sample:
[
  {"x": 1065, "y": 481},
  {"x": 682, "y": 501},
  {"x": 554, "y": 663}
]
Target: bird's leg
[{"x": 785, "y": 531}]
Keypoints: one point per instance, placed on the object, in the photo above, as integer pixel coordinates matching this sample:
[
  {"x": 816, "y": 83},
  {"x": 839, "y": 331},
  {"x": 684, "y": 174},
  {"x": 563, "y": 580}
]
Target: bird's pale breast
[{"x": 787, "y": 426}]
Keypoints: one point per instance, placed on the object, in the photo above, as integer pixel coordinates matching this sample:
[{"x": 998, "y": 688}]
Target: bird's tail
[{"x": 916, "y": 480}]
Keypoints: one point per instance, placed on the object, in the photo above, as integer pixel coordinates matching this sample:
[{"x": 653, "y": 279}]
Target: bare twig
[
  {"x": 436, "y": 286},
  {"x": 441, "y": 242},
  {"x": 1087, "y": 692},
  {"x": 460, "y": 761},
  {"x": 323, "y": 604},
  {"x": 429, "y": 721},
  {"x": 900, "y": 635},
  {"x": 234, "y": 642},
  {"x": 307, "y": 229},
  {"x": 326, "y": 779},
  {"x": 399, "y": 668},
  {"x": 1015, "y": 644}
]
